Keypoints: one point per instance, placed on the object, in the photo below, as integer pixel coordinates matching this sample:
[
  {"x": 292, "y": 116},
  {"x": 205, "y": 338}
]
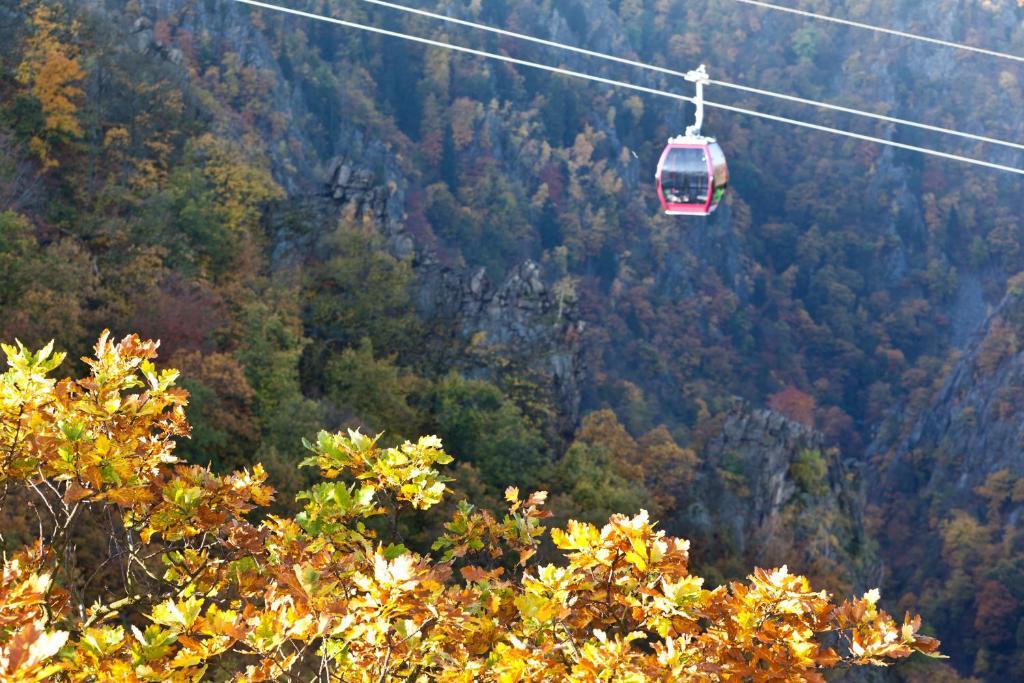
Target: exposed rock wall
[
  {"x": 975, "y": 423},
  {"x": 517, "y": 324},
  {"x": 521, "y": 319},
  {"x": 771, "y": 493}
]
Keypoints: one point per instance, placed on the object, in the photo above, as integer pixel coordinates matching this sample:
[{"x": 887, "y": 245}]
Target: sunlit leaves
[
  {"x": 326, "y": 592},
  {"x": 28, "y": 655},
  {"x": 100, "y": 433},
  {"x": 51, "y": 71},
  {"x": 332, "y": 505},
  {"x": 241, "y": 184},
  {"x": 28, "y": 600},
  {"x": 406, "y": 471}
]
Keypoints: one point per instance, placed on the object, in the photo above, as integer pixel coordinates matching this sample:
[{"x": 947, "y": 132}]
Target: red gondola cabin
[{"x": 692, "y": 176}]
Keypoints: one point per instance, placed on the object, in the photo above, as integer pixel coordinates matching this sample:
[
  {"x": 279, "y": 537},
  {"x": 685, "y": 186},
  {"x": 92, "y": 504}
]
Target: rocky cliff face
[
  {"x": 771, "y": 493},
  {"x": 519, "y": 324},
  {"x": 166, "y": 28},
  {"x": 974, "y": 425}
]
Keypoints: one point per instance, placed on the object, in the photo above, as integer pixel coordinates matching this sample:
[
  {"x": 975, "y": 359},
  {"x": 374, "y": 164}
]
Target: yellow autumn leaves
[
  {"x": 205, "y": 590},
  {"x": 51, "y": 72}
]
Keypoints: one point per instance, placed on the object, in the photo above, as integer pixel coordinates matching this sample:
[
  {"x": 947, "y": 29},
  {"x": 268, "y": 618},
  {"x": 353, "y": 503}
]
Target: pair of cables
[{"x": 664, "y": 93}]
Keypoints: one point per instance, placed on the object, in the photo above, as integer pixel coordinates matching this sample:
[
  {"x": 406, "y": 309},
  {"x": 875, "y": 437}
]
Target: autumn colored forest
[{"x": 439, "y": 391}]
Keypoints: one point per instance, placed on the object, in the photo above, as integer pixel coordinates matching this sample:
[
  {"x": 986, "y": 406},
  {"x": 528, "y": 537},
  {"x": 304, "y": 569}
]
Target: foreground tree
[{"x": 192, "y": 584}]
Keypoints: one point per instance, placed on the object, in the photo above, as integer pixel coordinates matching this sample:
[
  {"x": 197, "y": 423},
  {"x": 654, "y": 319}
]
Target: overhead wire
[
  {"x": 623, "y": 84},
  {"x": 679, "y": 74},
  {"x": 882, "y": 29},
  {"x": 872, "y": 115}
]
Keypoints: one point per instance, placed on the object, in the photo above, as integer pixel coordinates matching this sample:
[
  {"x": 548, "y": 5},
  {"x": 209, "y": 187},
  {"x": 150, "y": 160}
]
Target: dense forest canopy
[{"x": 328, "y": 229}]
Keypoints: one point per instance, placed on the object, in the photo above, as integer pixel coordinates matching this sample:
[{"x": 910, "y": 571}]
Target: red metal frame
[{"x": 675, "y": 209}]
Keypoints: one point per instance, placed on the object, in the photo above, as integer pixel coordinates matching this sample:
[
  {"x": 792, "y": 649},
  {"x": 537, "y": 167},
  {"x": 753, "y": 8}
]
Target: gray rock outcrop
[{"x": 771, "y": 494}]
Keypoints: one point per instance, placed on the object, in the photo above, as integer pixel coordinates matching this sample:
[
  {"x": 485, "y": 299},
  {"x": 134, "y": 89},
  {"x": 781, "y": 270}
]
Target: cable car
[{"x": 692, "y": 173}]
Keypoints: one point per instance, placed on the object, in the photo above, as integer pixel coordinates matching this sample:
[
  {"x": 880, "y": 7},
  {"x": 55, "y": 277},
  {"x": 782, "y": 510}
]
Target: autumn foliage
[
  {"x": 51, "y": 71},
  {"x": 794, "y": 404},
  {"x": 208, "y": 587}
]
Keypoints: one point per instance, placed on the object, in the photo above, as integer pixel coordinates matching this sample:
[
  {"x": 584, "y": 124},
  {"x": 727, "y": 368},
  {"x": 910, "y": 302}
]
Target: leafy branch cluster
[{"x": 207, "y": 588}]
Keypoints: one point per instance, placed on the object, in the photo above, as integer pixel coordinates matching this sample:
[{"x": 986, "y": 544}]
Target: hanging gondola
[{"x": 692, "y": 174}]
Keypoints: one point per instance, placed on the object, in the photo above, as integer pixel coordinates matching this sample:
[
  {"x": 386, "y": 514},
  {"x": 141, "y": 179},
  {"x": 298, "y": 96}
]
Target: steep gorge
[
  {"x": 883, "y": 287},
  {"x": 523, "y": 205}
]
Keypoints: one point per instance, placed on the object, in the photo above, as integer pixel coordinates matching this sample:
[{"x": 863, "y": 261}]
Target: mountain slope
[{"x": 949, "y": 492}]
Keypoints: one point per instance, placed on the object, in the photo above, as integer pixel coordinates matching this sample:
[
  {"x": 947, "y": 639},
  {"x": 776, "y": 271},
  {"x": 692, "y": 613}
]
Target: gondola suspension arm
[{"x": 699, "y": 77}]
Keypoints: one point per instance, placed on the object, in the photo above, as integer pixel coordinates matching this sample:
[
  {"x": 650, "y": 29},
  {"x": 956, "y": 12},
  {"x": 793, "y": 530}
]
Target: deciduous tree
[
  {"x": 51, "y": 72},
  {"x": 209, "y": 588}
]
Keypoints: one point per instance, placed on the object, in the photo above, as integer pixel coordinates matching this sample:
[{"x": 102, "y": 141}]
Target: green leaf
[{"x": 393, "y": 551}]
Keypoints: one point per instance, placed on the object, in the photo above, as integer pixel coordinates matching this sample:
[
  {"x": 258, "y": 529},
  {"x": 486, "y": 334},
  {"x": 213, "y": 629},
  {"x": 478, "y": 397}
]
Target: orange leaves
[
  {"x": 775, "y": 623},
  {"x": 27, "y": 600},
  {"x": 189, "y": 501},
  {"x": 794, "y": 404},
  {"x": 28, "y": 653},
  {"x": 611, "y": 658},
  {"x": 51, "y": 71},
  {"x": 625, "y": 541},
  {"x": 98, "y": 434},
  {"x": 270, "y": 599},
  {"x": 875, "y": 636},
  {"x": 477, "y": 575},
  {"x": 27, "y": 594},
  {"x": 771, "y": 623}
]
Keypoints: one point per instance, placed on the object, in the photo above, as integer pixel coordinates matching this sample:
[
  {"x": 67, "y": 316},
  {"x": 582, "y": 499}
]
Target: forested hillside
[{"x": 328, "y": 229}]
